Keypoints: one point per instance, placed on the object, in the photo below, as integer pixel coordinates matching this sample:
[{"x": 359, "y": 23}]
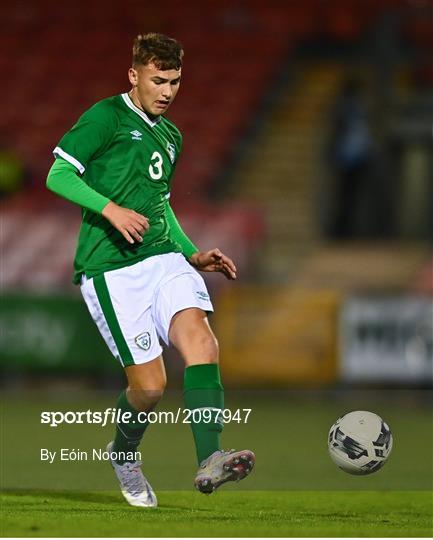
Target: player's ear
[{"x": 132, "y": 75}]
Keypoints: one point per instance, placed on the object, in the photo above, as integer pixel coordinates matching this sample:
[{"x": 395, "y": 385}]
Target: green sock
[
  {"x": 202, "y": 389},
  {"x": 128, "y": 434}
]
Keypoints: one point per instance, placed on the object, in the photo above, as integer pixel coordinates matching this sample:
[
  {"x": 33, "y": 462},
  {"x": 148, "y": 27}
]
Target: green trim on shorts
[{"x": 113, "y": 324}]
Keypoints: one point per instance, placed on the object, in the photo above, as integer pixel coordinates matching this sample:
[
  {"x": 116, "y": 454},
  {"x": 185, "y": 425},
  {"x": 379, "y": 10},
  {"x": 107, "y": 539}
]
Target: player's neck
[{"x": 136, "y": 101}]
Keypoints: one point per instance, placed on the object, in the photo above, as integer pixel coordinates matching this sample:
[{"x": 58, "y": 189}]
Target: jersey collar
[{"x": 138, "y": 111}]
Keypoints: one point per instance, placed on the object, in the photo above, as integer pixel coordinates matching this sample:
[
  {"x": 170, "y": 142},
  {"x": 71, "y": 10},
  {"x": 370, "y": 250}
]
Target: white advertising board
[{"x": 387, "y": 340}]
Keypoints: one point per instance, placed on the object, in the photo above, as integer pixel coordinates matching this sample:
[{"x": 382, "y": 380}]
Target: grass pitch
[
  {"x": 241, "y": 513},
  {"x": 295, "y": 489}
]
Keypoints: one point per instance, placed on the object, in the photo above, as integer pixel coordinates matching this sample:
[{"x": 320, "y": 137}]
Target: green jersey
[{"x": 129, "y": 158}]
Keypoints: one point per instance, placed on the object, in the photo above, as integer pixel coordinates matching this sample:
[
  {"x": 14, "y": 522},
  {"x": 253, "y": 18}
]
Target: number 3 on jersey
[{"x": 155, "y": 167}]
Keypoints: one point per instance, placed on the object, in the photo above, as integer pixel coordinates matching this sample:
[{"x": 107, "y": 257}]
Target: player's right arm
[
  {"x": 131, "y": 224},
  {"x": 63, "y": 180},
  {"x": 90, "y": 137}
]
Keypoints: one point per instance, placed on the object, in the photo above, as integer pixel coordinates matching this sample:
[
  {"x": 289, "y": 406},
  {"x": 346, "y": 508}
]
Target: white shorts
[{"x": 133, "y": 306}]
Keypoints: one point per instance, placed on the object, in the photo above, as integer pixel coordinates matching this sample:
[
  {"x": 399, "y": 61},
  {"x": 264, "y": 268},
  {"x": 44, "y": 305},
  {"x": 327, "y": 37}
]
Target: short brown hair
[{"x": 163, "y": 51}]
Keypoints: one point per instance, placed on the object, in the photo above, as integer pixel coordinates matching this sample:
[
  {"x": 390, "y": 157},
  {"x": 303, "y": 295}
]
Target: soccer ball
[{"x": 360, "y": 442}]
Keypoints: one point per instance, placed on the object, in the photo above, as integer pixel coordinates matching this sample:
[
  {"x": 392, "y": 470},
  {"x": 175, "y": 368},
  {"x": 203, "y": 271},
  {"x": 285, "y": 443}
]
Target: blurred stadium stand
[{"x": 258, "y": 88}]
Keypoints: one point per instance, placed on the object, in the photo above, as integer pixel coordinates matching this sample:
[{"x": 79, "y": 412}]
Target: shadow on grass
[
  {"x": 31, "y": 498},
  {"x": 46, "y": 496}
]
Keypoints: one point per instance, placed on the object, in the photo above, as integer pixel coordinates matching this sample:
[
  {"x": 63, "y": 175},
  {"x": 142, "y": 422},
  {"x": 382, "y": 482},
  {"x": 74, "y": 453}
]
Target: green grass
[
  {"x": 288, "y": 436},
  {"x": 295, "y": 489},
  {"x": 255, "y": 514}
]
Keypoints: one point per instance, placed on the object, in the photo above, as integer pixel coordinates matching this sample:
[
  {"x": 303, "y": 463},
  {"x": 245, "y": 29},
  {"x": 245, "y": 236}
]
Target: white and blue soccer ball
[{"x": 360, "y": 442}]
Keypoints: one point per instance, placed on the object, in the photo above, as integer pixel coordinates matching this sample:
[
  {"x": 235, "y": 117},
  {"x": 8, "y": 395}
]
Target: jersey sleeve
[
  {"x": 63, "y": 180},
  {"x": 88, "y": 137},
  {"x": 177, "y": 234}
]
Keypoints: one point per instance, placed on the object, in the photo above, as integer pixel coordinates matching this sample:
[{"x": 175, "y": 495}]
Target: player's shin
[
  {"x": 204, "y": 397},
  {"x": 129, "y": 428}
]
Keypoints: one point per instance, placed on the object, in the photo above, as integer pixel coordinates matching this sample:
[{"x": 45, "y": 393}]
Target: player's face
[{"x": 153, "y": 88}]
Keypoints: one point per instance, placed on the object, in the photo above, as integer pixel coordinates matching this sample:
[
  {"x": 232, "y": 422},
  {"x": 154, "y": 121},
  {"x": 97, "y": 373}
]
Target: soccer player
[{"x": 137, "y": 268}]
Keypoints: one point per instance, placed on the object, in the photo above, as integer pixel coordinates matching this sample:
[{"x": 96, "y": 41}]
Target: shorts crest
[{"x": 143, "y": 341}]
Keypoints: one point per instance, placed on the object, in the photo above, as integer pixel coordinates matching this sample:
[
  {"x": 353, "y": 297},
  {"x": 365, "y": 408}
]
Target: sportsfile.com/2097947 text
[{"x": 110, "y": 415}]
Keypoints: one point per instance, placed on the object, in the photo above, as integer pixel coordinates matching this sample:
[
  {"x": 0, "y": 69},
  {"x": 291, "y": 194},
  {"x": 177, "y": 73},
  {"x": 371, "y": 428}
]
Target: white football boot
[
  {"x": 221, "y": 467},
  {"x": 134, "y": 486}
]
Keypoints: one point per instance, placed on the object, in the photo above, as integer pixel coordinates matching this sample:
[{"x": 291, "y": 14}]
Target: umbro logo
[
  {"x": 136, "y": 135},
  {"x": 202, "y": 295}
]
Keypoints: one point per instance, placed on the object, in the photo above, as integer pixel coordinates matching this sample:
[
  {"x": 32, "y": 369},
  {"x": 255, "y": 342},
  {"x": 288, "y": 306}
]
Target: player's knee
[
  {"x": 147, "y": 395},
  {"x": 144, "y": 399}
]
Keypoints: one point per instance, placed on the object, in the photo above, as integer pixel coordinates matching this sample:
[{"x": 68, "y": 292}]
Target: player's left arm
[
  {"x": 214, "y": 261},
  {"x": 206, "y": 261},
  {"x": 177, "y": 234}
]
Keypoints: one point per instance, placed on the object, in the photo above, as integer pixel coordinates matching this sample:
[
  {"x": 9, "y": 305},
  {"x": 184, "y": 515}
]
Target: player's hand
[
  {"x": 128, "y": 222},
  {"x": 214, "y": 261}
]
